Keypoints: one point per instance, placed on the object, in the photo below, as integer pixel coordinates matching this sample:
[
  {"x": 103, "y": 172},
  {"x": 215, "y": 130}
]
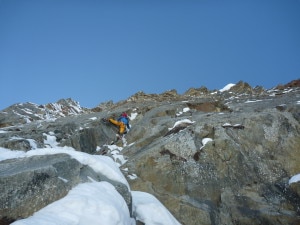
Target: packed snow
[
  {"x": 206, "y": 140},
  {"x": 50, "y": 140},
  {"x": 184, "y": 110},
  {"x": 133, "y": 115},
  {"x": 294, "y": 179},
  {"x": 149, "y": 210},
  {"x": 99, "y": 163},
  {"x": 227, "y": 87},
  {"x": 252, "y": 101},
  {"x": 88, "y": 203},
  {"x": 227, "y": 125},
  {"x": 94, "y": 202},
  {"x": 181, "y": 122}
]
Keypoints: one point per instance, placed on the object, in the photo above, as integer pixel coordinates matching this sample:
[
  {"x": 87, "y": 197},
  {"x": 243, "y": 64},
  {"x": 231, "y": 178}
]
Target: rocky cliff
[{"x": 210, "y": 157}]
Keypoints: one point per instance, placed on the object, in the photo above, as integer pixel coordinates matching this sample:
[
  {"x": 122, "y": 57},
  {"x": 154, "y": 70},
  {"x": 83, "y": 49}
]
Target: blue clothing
[{"x": 125, "y": 120}]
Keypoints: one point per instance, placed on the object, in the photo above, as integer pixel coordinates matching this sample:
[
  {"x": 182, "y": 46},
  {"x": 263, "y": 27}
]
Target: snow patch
[
  {"x": 182, "y": 122},
  {"x": 206, "y": 140},
  {"x": 252, "y": 101},
  {"x": 295, "y": 179},
  {"x": 132, "y": 176},
  {"x": 50, "y": 140},
  {"x": 183, "y": 111},
  {"x": 63, "y": 179},
  {"x": 133, "y": 116},
  {"x": 32, "y": 143},
  {"x": 84, "y": 204},
  {"x": 150, "y": 211},
  {"x": 227, "y": 87}
]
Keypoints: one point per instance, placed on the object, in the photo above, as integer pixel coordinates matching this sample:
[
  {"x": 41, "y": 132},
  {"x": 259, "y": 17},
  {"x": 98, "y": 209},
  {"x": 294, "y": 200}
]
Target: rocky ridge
[{"x": 210, "y": 157}]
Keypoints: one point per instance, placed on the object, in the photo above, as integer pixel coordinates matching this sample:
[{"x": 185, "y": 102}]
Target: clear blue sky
[{"x": 95, "y": 51}]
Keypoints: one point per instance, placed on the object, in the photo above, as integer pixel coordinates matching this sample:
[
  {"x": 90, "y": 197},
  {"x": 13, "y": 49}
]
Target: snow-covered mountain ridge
[
  {"x": 22, "y": 113},
  {"x": 27, "y": 112}
]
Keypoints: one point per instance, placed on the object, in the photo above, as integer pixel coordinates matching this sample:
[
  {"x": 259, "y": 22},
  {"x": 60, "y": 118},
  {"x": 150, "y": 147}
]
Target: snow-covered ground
[
  {"x": 95, "y": 202},
  {"x": 227, "y": 87}
]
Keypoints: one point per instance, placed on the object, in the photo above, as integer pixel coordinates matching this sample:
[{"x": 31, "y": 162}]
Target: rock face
[
  {"x": 29, "y": 184},
  {"x": 238, "y": 178},
  {"x": 210, "y": 157},
  {"x": 23, "y": 181},
  {"x": 28, "y": 112}
]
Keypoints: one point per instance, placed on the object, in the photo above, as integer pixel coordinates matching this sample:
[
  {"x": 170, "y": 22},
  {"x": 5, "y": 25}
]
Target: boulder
[{"x": 29, "y": 184}]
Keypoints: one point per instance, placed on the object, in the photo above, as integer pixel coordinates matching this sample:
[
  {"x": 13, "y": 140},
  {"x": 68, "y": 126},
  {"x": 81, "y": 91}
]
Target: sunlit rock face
[{"x": 211, "y": 157}]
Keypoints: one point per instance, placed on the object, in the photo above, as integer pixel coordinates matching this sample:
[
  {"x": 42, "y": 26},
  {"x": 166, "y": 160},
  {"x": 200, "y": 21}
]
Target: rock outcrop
[
  {"x": 31, "y": 183},
  {"x": 35, "y": 182},
  {"x": 210, "y": 157},
  {"x": 23, "y": 113}
]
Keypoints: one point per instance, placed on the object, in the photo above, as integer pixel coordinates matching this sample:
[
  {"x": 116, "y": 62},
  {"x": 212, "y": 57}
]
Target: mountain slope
[{"x": 211, "y": 157}]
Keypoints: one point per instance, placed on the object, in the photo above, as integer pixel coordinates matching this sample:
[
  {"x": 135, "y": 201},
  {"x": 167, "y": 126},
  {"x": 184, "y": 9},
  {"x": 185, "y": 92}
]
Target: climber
[{"x": 122, "y": 122}]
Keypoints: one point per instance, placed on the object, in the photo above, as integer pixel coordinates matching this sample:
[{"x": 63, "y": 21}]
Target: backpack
[{"x": 124, "y": 120}]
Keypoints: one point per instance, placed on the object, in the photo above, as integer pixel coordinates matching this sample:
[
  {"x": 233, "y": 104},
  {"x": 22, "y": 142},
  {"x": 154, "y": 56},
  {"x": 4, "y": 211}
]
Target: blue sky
[{"x": 95, "y": 51}]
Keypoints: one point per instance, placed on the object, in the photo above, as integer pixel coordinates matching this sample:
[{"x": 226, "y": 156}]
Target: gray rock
[
  {"x": 237, "y": 178},
  {"x": 240, "y": 177},
  {"x": 29, "y": 184}
]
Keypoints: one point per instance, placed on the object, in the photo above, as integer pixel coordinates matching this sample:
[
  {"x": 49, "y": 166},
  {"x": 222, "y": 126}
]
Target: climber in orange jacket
[{"x": 122, "y": 122}]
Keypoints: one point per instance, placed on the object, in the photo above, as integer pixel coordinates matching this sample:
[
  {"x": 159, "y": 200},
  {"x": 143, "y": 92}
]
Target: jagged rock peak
[
  {"x": 293, "y": 83},
  {"x": 65, "y": 107},
  {"x": 141, "y": 96},
  {"x": 244, "y": 88},
  {"x": 197, "y": 91},
  {"x": 103, "y": 106},
  {"x": 22, "y": 113},
  {"x": 239, "y": 88}
]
